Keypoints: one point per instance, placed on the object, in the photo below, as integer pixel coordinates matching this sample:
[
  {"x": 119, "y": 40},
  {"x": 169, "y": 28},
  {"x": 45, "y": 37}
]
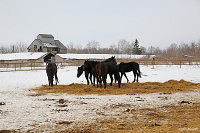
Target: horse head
[
  {"x": 112, "y": 59},
  {"x": 79, "y": 71}
]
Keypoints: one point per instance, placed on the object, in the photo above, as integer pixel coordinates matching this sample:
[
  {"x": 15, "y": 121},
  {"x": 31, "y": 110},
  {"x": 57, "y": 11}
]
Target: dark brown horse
[
  {"x": 103, "y": 69},
  {"x": 51, "y": 70}
]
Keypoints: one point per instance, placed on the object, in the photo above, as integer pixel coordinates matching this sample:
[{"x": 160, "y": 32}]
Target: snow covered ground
[
  {"x": 25, "y": 109},
  {"x": 103, "y": 56},
  {"x": 36, "y": 55}
]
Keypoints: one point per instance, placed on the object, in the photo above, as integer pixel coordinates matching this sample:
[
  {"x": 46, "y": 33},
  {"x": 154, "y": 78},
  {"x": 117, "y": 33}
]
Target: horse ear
[{"x": 113, "y": 56}]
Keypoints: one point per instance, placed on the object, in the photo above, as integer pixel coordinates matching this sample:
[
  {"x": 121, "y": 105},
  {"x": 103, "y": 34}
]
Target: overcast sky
[{"x": 153, "y": 22}]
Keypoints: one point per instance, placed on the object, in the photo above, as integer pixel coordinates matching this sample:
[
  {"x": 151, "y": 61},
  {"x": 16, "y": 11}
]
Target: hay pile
[{"x": 170, "y": 86}]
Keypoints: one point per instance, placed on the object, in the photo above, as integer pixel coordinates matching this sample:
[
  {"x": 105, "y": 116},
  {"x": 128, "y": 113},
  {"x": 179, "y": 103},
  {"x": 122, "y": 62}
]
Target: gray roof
[
  {"x": 35, "y": 40},
  {"x": 59, "y": 44},
  {"x": 46, "y": 35}
]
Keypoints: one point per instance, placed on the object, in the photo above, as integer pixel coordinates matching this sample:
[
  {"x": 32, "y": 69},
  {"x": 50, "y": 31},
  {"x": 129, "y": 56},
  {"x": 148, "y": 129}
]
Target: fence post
[
  {"x": 180, "y": 64},
  {"x": 15, "y": 66},
  {"x": 61, "y": 65},
  {"x": 31, "y": 65},
  {"x": 153, "y": 62}
]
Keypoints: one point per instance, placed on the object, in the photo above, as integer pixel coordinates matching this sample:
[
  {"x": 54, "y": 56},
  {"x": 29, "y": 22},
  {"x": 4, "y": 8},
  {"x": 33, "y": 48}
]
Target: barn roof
[
  {"x": 59, "y": 44},
  {"x": 22, "y": 56},
  {"x": 46, "y": 35}
]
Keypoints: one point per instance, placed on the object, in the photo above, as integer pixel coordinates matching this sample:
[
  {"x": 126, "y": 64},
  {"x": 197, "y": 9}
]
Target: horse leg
[
  {"x": 137, "y": 75},
  {"x": 121, "y": 76},
  {"x": 126, "y": 77},
  {"x": 86, "y": 76},
  {"x": 94, "y": 76},
  {"x": 111, "y": 78},
  {"x": 51, "y": 80},
  {"x": 118, "y": 79},
  {"x": 134, "y": 73},
  {"x": 91, "y": 78},
  {"x": 100, "y": 82},
  {"x": 104, "y": 81},
  {"x": 97, "y": 81}
]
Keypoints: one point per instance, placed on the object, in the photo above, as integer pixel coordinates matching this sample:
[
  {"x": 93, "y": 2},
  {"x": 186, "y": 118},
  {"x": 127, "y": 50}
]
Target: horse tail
[
  {"x": 104, "y": 69},
  {"x": 139, "y": 72},
  {"x": 56, "y": 78},
  {"x": 55, "y": 73}
]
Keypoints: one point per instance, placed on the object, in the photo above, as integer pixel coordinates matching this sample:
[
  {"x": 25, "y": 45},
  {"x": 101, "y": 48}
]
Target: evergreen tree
[{"x": 136, "y": 48}]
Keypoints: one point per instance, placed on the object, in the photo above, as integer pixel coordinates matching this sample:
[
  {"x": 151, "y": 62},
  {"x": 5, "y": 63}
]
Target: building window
[
  {"x": 35, "y": 48},
  {"x": 49, "y": 49},
  {"x": 40, "y": 49},
  {"x": 58, "y": 50}
]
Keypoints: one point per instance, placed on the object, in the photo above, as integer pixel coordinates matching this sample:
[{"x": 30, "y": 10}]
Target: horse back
[
  {"x": 125, "y": 67},
  {"x": 51, "y": 68},
  {"x": 112, "y": 68}
]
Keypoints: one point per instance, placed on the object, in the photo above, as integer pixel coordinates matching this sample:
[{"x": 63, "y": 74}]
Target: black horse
[
  {"x": 89, "y": 67},
  {"x": 87, "y": 74},
  {"x": 51, "y": 70},
  {"x": 128, "y": 67},
  {"x": 103, "y": 69}
]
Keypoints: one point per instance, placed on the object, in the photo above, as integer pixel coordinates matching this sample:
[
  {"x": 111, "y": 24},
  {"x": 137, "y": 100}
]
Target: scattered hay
[
  {"x": 177, "y": 119},
  {"x": 8, "y": 131},
  {"x": 168, "y": 87}
]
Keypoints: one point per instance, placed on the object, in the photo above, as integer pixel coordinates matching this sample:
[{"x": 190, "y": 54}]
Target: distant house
[{"x": 46, "y": 43}]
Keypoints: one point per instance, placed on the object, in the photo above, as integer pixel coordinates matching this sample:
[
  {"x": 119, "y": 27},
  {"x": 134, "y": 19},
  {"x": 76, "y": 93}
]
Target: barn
[{"x": 47, "y": 43}]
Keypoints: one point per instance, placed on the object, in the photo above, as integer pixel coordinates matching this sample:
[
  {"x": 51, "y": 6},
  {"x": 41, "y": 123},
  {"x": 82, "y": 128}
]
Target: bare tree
[
  {"x": 17, "y": 47},
  {"x": 93, "y": 47},
  {"x": 124, "y": 46}
]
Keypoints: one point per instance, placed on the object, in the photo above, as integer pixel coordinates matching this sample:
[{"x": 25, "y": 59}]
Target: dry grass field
[
  {"x": 167, "y": 119},
  {"x": 170, "y": 119}
]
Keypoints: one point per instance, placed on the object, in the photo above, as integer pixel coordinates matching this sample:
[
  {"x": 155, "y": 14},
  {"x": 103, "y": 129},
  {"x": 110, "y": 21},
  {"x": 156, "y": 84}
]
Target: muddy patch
[
  {"x": 37, "y": 94},
  {"x": 2, "y": 103}
]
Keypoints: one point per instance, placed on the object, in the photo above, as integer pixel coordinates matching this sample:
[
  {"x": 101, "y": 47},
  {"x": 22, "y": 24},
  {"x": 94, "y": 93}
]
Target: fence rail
[
  {"x": 42, "y": 65},
  {"x": 27, "y": 66}
]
